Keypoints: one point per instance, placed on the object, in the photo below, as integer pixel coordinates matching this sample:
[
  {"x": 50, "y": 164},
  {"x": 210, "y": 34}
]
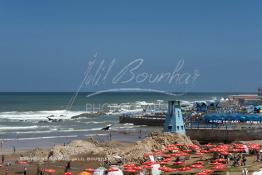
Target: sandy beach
[{"x": 91, "y": 153}]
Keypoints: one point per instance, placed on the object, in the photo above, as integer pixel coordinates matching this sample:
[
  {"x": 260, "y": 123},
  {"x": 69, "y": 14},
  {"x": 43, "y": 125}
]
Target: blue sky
[{"x": 46, "y": 45}]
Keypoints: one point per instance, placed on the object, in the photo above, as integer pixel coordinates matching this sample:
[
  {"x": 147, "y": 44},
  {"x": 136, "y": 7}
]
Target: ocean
[{"x": 23, "y": 116}]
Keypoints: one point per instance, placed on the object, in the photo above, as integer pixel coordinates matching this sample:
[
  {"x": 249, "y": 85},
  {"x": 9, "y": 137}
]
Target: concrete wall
[{"x": 224, "y": 135}]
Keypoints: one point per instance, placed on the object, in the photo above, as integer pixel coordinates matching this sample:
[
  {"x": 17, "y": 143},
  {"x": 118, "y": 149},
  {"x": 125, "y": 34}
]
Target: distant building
[
  {"x": 248, "y": 99},
  {"x": 245, "y": 99},
  {"x": 260, "y": 93}
]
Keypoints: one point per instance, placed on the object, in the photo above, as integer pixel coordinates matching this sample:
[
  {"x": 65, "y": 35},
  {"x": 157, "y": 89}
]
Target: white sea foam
[
  {"x": 20, "y": 127},
  {"x": 39, "y": 138},
  {"x": 39, "y": 115},
  {"x": 90, "y": 135},
  {"x": 95, "y": 122},
  {"x": 129, "y": 124},
  {"x": 52, "y": 131}
]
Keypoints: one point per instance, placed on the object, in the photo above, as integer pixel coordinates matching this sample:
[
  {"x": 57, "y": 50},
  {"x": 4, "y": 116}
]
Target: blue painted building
[{"x": 174, "y": 120}]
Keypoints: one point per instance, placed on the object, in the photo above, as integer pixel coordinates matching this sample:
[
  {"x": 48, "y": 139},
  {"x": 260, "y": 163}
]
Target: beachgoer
[
  {"x": 25, "y": 171},
  {"x": 244, "y": 159},
  {"x": 51, "y": 153},
  {"x": 238, "y": 159},
  {"x": 3, "y": 159},
  {"x": 257, "y": 156},
  {"x": 110, "y": 136},
  {"x": 38, "y": 170},
  {"x": 6, "y": 171},
  {"x": 140, "y": 134},
  {"x": 68, "y": 167},
  {"x": 14, "y": 149}
]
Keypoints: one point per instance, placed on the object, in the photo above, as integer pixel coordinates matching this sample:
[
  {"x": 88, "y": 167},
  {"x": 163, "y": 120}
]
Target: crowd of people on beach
[{"x": 196, "y": 159}]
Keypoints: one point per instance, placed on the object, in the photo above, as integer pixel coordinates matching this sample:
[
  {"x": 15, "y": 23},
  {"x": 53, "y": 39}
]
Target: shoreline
[{"x": 125, "y": 136}]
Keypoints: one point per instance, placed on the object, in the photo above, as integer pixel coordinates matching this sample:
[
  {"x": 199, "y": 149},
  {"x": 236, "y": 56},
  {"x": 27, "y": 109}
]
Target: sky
[{"x": 46, "y": 46}]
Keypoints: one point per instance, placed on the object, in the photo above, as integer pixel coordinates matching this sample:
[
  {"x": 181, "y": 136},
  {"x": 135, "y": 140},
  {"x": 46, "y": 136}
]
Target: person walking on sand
[
  {"x": 244, "y": 159},
  {"x": 140, "y": 134},
  {"x": 3, "y": 159},
  {"x": 68, "y": 167},
  {"x": 38, "y": 170},
  {"x": 25, "y": 171}
]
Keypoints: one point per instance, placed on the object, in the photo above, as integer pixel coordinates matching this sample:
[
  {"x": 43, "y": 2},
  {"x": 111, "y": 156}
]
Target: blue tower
[{"x": 174, "y": 120}]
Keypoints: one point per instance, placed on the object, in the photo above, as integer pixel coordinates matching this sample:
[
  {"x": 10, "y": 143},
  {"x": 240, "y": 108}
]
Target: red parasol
[
  {"x": 111, "y": 169},
  {"x": 22, "y": 162},
  {"x": 67, "y": 173},
  {"x": 90, "y": 170},
  {"x": 49, "y": 171},
  {"x": 184, "y": 169},
  {"x": 179, "y": 163},
  {"x": 130, "y": 171},
  {"x": 147, "y": 167},
  {"x": 196, "y": 166}
]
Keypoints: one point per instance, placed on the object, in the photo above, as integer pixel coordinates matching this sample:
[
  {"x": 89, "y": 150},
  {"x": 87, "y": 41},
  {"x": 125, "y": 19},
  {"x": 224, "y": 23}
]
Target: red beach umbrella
[
  {"x": 167, "y": 160},
  {"x": 67, "y": 173},
  {"x": 148, "y": 163},
  {"x": 216, "y": 163},
  {"x": 167, "y": 156},
  {"x": 187, "y": 151},
  {"x": 178, "y": 154},
  {"x": 129, "y": 165},
  {"x": 49, "y": 171},
  {"x": 162, "y": 162},
  {"x": 199, "y": 153},
  {"x": 179, "y": 163},
  {"x": 22, "y": 162},
  {"x": 147, "y": 166},
  {"x": 146, "y": 155},
  {"x": 204, "y": 151},
  {"x": 184, "y": 169},
  {"x": 196, "y": 166},
  {"x": 207, "y": 171},
  {"x": 166, "y": 169},
  {"x": 198, "y": 163},
  {"x": 130, "y": 171},
  {"x": 209, "y": 145},
  {"x": 201, "y": 173},
  {"x": 220, "y": 160},
  {"x": 90, "y": 170},
  {"x": 224, "y": 153},
  {"x": 111, "y": 169},
  {"x": 138, "y": 168},
  {"x": 219, "y": 167}
]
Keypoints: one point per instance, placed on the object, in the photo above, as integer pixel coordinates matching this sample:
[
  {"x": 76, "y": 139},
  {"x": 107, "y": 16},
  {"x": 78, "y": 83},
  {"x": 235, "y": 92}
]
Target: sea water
[{"x": 23, "y": 116}]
